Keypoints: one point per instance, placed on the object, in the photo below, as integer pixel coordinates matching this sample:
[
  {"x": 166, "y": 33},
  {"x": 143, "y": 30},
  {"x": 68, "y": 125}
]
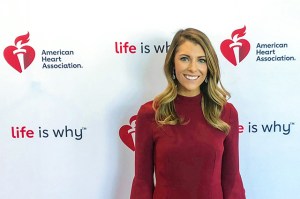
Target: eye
[
  {"x": 184, "y": 58},
  {"x": 202, "y": 60}
]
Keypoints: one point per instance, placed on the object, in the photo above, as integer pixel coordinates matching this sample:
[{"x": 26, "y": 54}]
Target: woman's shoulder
[
  {"x": 230, "y": 112},
  {"x": 229, "y": 107},
  {"x": 146, "y": 110}
]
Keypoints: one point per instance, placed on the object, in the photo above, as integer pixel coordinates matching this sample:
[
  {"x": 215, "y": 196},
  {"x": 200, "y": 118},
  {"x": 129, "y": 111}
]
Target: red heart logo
[
  {"x": 236, "y": 49},
  {"x": 126, "y": 131},
  {"x": 13, "y": 59},
  {"x": 21, "y": 55}
]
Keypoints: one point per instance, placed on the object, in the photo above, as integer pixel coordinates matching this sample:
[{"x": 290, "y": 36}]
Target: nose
[{"x": 193, "y": 66}]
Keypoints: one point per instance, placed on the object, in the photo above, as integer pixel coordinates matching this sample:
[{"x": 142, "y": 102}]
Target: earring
[
  {"x": 206, "y": 80},
  {"x": 173, "y": 74}
]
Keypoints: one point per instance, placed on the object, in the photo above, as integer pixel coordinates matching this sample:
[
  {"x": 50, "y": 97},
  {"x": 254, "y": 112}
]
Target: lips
[{"x": 191, "y": 77}]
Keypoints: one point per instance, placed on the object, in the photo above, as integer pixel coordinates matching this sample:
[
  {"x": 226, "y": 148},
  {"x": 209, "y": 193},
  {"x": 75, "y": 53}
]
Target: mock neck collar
[{"x": 188, "y": 100}]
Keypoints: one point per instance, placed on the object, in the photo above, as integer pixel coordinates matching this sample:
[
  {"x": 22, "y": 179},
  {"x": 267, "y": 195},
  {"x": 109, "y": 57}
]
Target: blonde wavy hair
[{"x": 214, "y": 95}]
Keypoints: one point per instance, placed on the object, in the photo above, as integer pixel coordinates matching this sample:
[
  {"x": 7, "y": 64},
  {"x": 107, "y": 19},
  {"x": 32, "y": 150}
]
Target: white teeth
[{"x": 191, "y": 77}]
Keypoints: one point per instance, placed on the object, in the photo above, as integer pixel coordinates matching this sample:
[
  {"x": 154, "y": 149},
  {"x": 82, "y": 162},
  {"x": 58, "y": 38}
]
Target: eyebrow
[{"x": 201, "y": 56}]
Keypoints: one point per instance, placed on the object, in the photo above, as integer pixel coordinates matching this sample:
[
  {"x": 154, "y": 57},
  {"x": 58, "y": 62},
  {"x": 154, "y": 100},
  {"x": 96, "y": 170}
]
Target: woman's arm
[
  {"x": 142, "y": 185},
  {"x": 231, "y": 179}
]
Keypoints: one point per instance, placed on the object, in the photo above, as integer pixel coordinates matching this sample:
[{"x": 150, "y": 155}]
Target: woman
[{"x": 188, "y": 135}]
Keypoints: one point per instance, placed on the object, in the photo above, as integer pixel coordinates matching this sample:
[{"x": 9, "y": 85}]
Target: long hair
[{"x": 214, "y": 95}]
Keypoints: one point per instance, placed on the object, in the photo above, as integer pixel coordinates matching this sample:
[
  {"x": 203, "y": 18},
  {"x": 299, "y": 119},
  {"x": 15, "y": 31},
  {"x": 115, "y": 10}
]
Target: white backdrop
[{"x": 59, "y": 127}]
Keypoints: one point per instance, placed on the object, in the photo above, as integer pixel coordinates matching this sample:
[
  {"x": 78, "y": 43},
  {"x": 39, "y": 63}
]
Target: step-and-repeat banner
[{"x": 73, "y": 75}]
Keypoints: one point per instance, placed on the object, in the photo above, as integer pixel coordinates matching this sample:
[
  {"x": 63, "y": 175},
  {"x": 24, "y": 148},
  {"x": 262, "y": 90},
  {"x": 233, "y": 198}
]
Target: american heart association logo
[
  {"x": 21, "y": 55},
  {"x": 126, "y": 133},
  {"x": 236, "y": 49}
]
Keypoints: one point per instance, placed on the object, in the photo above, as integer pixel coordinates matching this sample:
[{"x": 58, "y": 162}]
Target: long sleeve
[
  {"x": 232, "y": 184},
  {"x": 142, "y": 185}
]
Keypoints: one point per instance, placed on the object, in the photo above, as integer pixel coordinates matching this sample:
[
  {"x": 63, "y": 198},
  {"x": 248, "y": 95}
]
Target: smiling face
[{"x": 190, "y": 68}]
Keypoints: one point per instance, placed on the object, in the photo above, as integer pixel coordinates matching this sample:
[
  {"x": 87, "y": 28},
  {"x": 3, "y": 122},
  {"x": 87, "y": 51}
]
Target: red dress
[{"x": 191, "y": 161}]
